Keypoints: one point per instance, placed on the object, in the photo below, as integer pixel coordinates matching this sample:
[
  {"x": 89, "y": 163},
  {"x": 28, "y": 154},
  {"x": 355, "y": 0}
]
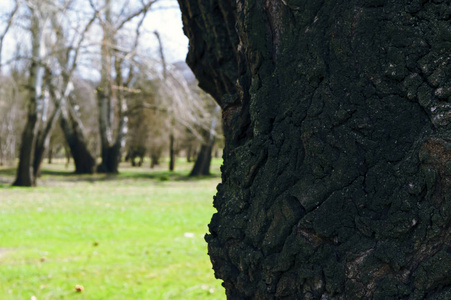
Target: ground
[{"x": 138, "y": 235}]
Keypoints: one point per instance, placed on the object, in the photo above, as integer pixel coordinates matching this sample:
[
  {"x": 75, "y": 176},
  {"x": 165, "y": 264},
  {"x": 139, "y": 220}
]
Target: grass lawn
[{"x": 137, "y": 235}]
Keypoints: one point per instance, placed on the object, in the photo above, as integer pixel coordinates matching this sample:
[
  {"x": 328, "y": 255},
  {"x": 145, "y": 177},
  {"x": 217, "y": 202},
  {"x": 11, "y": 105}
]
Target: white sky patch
[{"x": 164, "y": 17}]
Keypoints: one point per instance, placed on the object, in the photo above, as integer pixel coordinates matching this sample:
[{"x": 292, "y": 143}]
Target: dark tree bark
[
  {"x": 42, "y": 141},
  {"x": 189, "y": 154},
  {"x": 202, "y": 165},
  {"x": 171, "y": 153},
  {"x": 50, "y": 155},
  {"x": 84, "y": 161},
  {"x": 111, "y": 157},
  {"x": 136, "y": 151},
  {"x": 24, "y": 176},
  {"x": 336, "y": 181},
  {"x": 154, "y": 160}
]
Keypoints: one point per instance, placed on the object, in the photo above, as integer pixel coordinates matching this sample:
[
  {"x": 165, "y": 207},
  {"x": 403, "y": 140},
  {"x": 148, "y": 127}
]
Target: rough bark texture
[{"x": 336, "y": 179}]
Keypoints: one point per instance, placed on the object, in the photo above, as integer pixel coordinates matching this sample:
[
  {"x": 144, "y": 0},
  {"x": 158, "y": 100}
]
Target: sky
[
  {"x": 167, "y": 20},
  {"x": 164, "y": 17}
]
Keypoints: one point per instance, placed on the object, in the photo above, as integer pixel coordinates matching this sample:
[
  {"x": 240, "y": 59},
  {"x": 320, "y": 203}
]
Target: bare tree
[
  {"x": 10, "y": 113},
  {"x": 9, "y": 24},
  {"x": 203, "y": 161},
  {"x": 68, "y": 45},
  {"x": 38, "y": 20},
  {"x": 114, "y": 88}
]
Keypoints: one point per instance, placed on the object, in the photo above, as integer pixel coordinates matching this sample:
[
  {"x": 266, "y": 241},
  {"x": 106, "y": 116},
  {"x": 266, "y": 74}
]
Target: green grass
[{"x": 136, "y": 235}]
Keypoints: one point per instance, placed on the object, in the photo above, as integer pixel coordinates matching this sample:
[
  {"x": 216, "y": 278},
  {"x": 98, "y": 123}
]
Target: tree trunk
[
  {"x": 84, "y": 162},
  {"x": 171, "y": 153},
  {"x": 155, "y": 155},
  {"x": 24, "y": 175},
  {"x": 202, "y": 165},
  {"x": 111, "y": 153},
  {"x": 203, "y": 161},
  {"x": 42, "y": 142},
  {"x": 154, "y": 160},
  {"x": 335, "y": 183},
  {"x": 189, "y": 154},
  {"x": 111, "y": 158},
  {"x": 50, "y": 155}
]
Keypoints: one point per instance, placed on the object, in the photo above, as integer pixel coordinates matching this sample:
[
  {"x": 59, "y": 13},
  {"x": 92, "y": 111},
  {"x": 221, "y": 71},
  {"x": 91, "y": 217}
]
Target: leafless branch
[
  {"x": 143, "y": 9},
  {"x": 8, "y": 26}
]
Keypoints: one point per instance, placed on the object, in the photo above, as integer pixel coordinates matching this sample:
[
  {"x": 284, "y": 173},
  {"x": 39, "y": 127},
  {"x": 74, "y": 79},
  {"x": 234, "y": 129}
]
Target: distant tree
[
  {"x": 10, "y": 113},
  {"x": 38, "y": 19},
  {"x": 115, "y": 86},
  {"x": 45, "y": 126},
  {"x": 336, "y": 179},
  {"x": 203, "y": 161},
  {"x": 8, "y": 24},
  {"x": 55, "y": 46},
  {"x": 69, "y": 42}
]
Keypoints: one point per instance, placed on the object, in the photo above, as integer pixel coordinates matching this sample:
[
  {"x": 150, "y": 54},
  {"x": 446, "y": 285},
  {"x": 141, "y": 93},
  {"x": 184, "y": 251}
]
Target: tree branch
[
  {"x": 8, "y": 26},
  {"x": 144, "y": 9}
]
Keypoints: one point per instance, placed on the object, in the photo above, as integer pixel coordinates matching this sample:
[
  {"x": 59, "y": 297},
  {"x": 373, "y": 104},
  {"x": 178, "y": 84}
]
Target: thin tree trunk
[
  {"x": 189, "y": 154},
  {"x": 50, "y": 155},
  {"x": 335, "y": 182},
  {"x": 42, "y": 142},
  {"x": 171, "y": 153},
  {"x": 1, "y": 152}
]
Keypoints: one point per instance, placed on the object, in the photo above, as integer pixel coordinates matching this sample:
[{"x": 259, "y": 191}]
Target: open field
[{"x": 137, "y": 235}]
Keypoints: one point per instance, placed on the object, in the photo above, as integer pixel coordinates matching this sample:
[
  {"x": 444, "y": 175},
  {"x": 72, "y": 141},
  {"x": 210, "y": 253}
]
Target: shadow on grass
[
  {"x": 165, "y": 176},
  {"x": 7, "y": 176},
  {"x": 11, "y": 171},
  {"x": 58, "y": 173}
]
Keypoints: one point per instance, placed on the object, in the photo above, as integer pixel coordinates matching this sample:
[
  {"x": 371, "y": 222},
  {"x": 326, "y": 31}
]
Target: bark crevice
[{"x": 335, "y": 180}]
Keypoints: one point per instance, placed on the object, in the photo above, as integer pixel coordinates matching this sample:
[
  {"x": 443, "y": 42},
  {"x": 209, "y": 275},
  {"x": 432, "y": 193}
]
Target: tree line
[{"x": 86, "y": 84}]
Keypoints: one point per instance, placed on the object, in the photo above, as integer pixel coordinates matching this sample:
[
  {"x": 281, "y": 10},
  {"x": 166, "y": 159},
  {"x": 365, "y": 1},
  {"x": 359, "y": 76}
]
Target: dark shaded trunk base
[
  {"x": 37, "y": 161},
  {"x": 24, "y": 175},
  {"x": 83, "y": 159},
  {"x": 136, "y": 152},
  {"x": 110, "y": 160},
  {"x": 171, "y": 153},
  {"x": 202, "y": 165},
  {"x": 154, "y": 161},
  {"x": 50, "y": 155}
]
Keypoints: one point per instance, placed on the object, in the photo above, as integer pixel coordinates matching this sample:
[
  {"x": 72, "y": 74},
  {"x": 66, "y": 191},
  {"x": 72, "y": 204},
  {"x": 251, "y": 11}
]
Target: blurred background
[{"x": 103, "y": 122}]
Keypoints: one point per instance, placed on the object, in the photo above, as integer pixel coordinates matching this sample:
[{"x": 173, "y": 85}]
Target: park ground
[{"x": 136, "y": 235}]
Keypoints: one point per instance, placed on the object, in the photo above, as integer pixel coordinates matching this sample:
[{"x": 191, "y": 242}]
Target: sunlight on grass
[{"x": 130, "y": 236}]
